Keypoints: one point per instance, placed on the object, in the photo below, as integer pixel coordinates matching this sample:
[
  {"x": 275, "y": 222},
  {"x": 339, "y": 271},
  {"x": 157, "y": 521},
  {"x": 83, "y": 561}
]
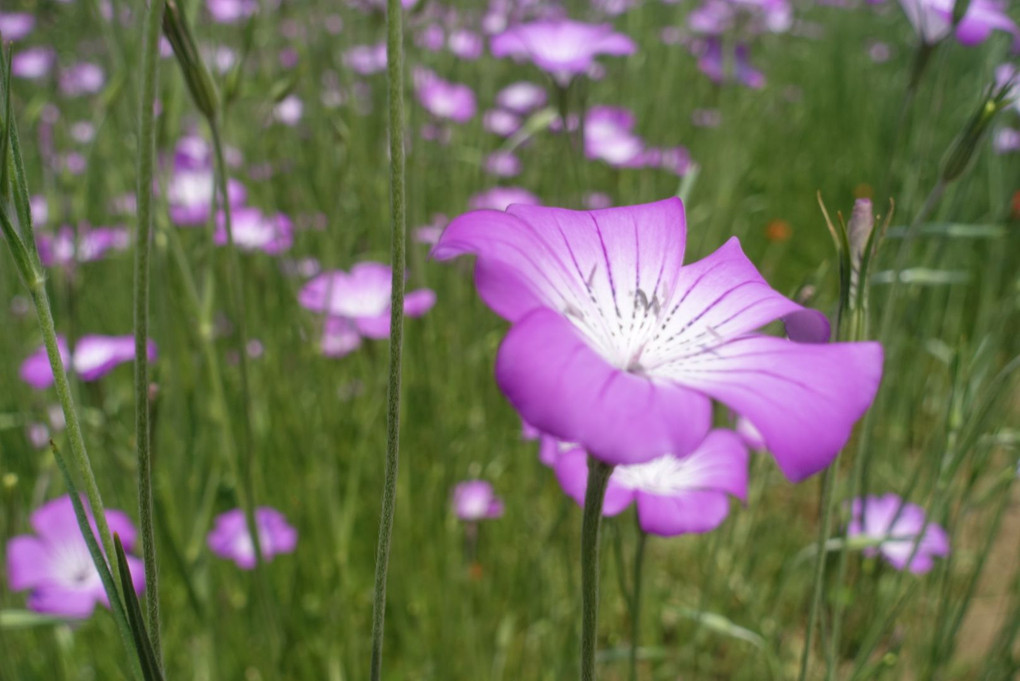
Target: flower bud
[
  {"x": 196, "y": 75},
  {"x": 862, "y": 223}
]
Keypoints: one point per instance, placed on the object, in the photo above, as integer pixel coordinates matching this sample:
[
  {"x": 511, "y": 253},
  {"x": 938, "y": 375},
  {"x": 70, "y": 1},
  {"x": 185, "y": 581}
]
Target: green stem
[
  {"x": 146, "y": 154},
  {"x": 635, "y": 609},
  {"x": 598, "y": 480},
  {"x": 828, "y": 501},
  {"x": 395, "y": 79}
]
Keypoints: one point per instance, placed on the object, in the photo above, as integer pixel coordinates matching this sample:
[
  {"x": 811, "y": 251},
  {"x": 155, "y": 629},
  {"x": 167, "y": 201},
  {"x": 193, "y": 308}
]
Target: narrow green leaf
[{"x": 150, "y": 669}]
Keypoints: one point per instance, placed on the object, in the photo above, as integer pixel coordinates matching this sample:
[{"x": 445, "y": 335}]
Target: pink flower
[
  {"x": 33, "y": 63},
  {"x": 362, "y": 297},
  {"x": 474, "y": 500},
  {"x": 88, "y": 245},
  {"x": 254, "y": 231},
  {"x": 230, "y": 538},
  {"x": 618, "y": 346},
  {"x": 498, "y": 198},
  {"x": 444, "y": 99},
  {"x": 15, "y": 25},
  {"x": 563, "y": 48},
  {"x": 94, "y": 356},
  {"x": 55, "y": 563},
  {"x": 896, "y": 525},
  {"x": 521, "y": 97},
  {"x": 933, "y": 20},
  {"x": 674, "y": 495}
]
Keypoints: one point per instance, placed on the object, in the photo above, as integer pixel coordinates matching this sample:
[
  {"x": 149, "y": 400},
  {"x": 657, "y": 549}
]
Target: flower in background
[
  {"x": 94, "y": 356},
  {"x": 190, "y": 191},
  {"x": 254, "y": 231},
  {"x": 443, "y": 99},
  {"x": 674, "y": 495},
  {"x": 561, "y": 47},
  {"x": 466, "y": 44},
  {"x": 429, "y": 234},
  {"x": 499, "y": 198},
  {"x": 366, "y": 59},
  {"x": 86, "y": 244},
  {"x": 521, "y": 97},
  {"x": 289, "y": 110},
  {"x": 502, "y": 164},
  {"x": 618, "y": 346},
  {"x": 609, "y": 136},
  {"x": 55, "y": 563},
  {"x": 231, "y": 539},
  {"x": 897, "y": 524},
  {"x": 362, "y": 297},
  {"x": 33, "y": 63},
  {"x": 933, "y": 21},
  {"x": 85, "y": 78},
  {"x": 474, "y": 500},
  {"x": 231, "y": 11},
  {"x": 501, "y": 122},
  {"x": 15, "y": 25}
]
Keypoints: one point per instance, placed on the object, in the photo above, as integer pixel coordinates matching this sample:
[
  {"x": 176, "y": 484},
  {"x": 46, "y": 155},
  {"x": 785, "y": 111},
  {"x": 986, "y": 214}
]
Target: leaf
[
  {"x": 26, "y": 619},
  {"x": 150, "y": 668}
]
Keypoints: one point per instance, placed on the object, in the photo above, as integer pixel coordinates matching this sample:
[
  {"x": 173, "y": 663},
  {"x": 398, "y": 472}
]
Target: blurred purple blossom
[
  {"x": 94, "y": 356},
  {"x": 877, "y": 518},
  {"x": 443, "y": 99},
  {"x": 33, "y": 63},
  {"x": 933, "y": 21},
  {"x": 231, "y": 11},
  {"x": 501, "y": 122},
  {"x": 502, "y": 164},
  {"x": 474, "y": 500},
  {"x": 86, "y": 244},
  {"x": 562, "y": 47},
  {"x": 366, "y": 59},
  {"x": 55, "y": 563},
  {"x": 254, "y": 231},
  {"x": 521, "y": 97},
  {"x": 231, "y": 539},
  {"x": 84, "y": 78},
  {"x": 15, "y": 25},
  {"x": 499, "y": 198}
]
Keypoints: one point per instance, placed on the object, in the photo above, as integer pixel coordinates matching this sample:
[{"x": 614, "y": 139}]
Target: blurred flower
[
  {"x": 778, "y": 230},
  {"x": 563, "y": 48},
  {"x": 711, "y": 62},
  {"x": 502, "y": 164},
  {"x": 82, "y": 79},
  {"x": 94, "y": 356},
  {"x": 86, "y": 244},
  {"x": 339, "y": 337},
  {"x": 466, "y": 44},
  {"x": 750, "y": 435},
  {"x": 616, "y": 345},
  {"x": 55, "y": 563},
  {"x": 474, "y": 500},
  {"x": 500, "y": 122},
  {"x": 429, "y": 234},
  {"x": 499, "y": 198},
  {"x": 608, "y": 137},
  {"x": 521, "y": 97},
  {"x": 191, "y": 188},
  {"x": 674, "y": 495},
  {"x": 933, "y": 20},
  {"x": 876, "y": 518},
  {"x": 289, "y": 110},
  {"x": 15, "y": 25},
  {"x": 231, "y": 539},
  {"x": 363, "y": 297},
  {"x": 231, "y": 11},
  {"x": 254, "y": 231},
  {"x": 442, "y": 98},
  {"x": 33, "y": 63},
  {"x": 366, "y": 59}
]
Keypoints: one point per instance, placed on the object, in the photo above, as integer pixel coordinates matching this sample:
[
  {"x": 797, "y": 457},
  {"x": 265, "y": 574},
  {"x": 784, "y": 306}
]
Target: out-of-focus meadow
[{"x": 813, "y": 103}]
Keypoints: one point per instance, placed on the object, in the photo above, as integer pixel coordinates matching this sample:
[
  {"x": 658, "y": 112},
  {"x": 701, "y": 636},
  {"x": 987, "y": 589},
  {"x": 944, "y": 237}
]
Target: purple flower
[
  {"x": 876, "y": 518},
  {"x": 339, "y": 337},
  {"x": 82, "y": 79},
  {"x": 563, "y": 48},
  {"x": 474, "y": 500},
  {"x": 444, "y": 99},
  {"x": 230, "y": 538},
  {"x": 366, "y": 59},
  {"x": 674, "y": 495},
  {"x": 15, "y": 25},
  {"x": 500, "y": 122},
  {"x": 466, "y": 44},
  {"x": 55, "y": 563},
  {"x": 363, "y": 297},
  {"x": 608, "y": 137},
  {"x": 94, "y": 356},
  {"x": 191, "y": 188},
  {"x": 502, "y": 164},
  {"x": 712, "y": 63},
  {"x": 933, "y": 20},
  {"x": 521, "y": 97},
  {"x": 254, "y": 231},
  {"x": 289, "y": 110},
  {"x": 33, "y": 63},
  {"x": 231, "y": 11},
  {"x": 90, "y": 245},
  {"x": 498, "y": 198},
  {"x": 617, "y": 346}
]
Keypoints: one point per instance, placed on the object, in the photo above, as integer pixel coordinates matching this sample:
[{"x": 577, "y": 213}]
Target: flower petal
[
  {"x": 564, "y": 388},
  {"x": 689, "y": 512},
  {"x": 804, "y": 398},
  {"x": 27, "y": 563}
]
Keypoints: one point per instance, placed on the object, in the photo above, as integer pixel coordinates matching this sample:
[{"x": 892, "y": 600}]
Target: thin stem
[
  {"x": 598, "y": 480},
  {"x": 828, "y": 501},
  {"x": 395, "y": 79},
  {"x": 635, "y": 609},
  {"x": 146, "y": 154}
]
